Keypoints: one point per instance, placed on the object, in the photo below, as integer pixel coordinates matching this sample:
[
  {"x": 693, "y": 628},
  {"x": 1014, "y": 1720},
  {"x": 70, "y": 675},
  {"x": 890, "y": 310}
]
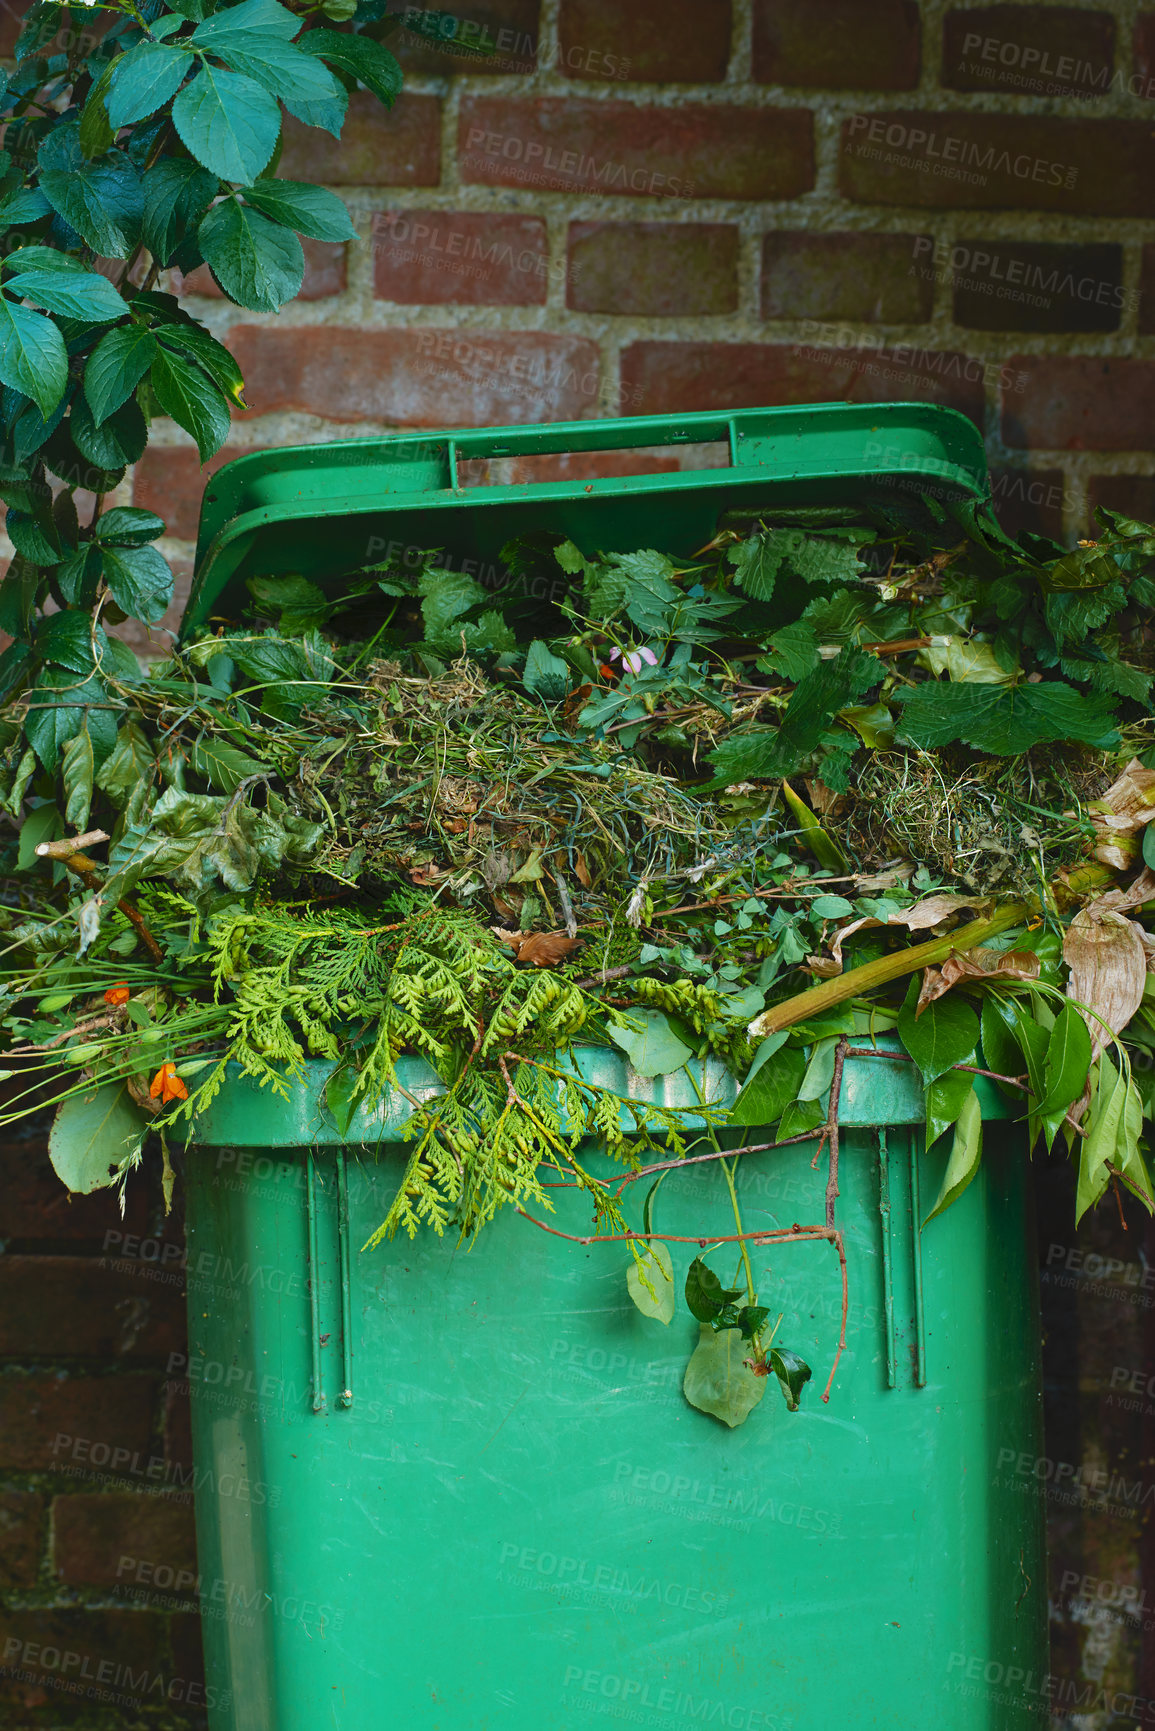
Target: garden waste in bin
[{"x": 459, "y": 1488}]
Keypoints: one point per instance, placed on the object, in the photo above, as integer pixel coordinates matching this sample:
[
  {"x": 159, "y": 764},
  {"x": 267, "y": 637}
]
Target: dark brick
[
  {"x": 659, "y": 42},
  {"x": 865, "y": 278},
  {"x": 419, "y": 378},
  {"x": 460, "y": 257},
  {"x": 1029, "y": 50},
  {"x": 170, "y": 479},
  {"x": 84, "y": 33},
  {"x": 1143, "y": 46},
  {"x": 671, "y": 378},
  {"x": 188, "y": 1657},
  {"x": 57, "y": 1424},
  {"x": 563, "y": 144},
  {"x": 34, "y": 1203},
  {"x": 1036, "y": 285},
  {"x": 1147, "y": 291},
  {"x": 119, "y": 1653},
  {"x": 1130, "y": 495},
  {"x": 378, "y": 146},
  {"x": 72, "y": 1307},
  {"x": 178, "y": 1448},
  {"x": 441, "y": 44},
  {"x": 1080, "y": 403},
  {"x": 653, "y": 269},
  {"x": 1029, "y": 499},
  {"x": 324, "y": 274},
  {"x": 1095, "y": 168},
  {"x": 91, "y": 1534},
  {"x": 837, "y": 44},
  {"x": 21, "y": 1537}
]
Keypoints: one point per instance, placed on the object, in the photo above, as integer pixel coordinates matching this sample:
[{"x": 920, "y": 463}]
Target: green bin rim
[
  {"x": 846, "y": 448},
  {"x": 877, "y": 1092}
]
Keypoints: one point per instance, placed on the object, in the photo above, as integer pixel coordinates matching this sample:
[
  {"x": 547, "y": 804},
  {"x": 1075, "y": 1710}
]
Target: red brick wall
[{"x": 700, "y": 204}]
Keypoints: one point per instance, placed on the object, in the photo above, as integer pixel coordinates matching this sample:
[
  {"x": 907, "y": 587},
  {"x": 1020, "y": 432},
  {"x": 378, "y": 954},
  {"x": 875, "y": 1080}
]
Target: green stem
[
  {"x": 859, "y": 981},
  {"x": 752, "y": 1296}
]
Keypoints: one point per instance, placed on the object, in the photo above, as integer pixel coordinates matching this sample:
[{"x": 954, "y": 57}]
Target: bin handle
[{"x": 581, "y": 437}]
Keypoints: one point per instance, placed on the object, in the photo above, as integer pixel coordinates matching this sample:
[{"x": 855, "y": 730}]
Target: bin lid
[{"x": 324, "y": 510}]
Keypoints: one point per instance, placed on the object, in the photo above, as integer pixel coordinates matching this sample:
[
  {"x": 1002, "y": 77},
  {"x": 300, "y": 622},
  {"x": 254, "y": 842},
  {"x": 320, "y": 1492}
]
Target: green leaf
[
  {"x": 1002, "y": 1050},
  {"x": 367, "y": 61},
  {"x": 304, "y": 84},
  {"x": 248, "y": 22},
  {"x": 946, "y": 1033},
  {"x": 65, "y": 639},
  {"x": 74, "y": 295},
  {"x": 115, "y": 368},
  {"x": 223, "y": 765},
  {"x": 177, "y": 193},
  {"x": 768, "y": 1093},
  {"x": 130, "y": 764},
  {"x": 718, "y": 1379},
  {"x": 654, "y": 1049},
  {"x": 966, "y": 1151},
  {"x": 43, "y": 824},
  {"x": 256, "y": 262},
  {"x": 119, "y": 440},
  {"x": 227, "y": 122},
  {"x": 1100, "y": 1144},
  {"x": 38, "y": 544},
  {"x": 1128, "y": 1154},
  {"x": 144, "y": 79},
  {"x": 33, "y": 358},
  {"x": 139, "y": 580},
  {"x": 819, "y": 1070},
  {"x": 192, "y": 400},
  {"x": 650, "y": 1279},
  {"x": 76, "y": 765},
  {"x": 706, "y": 1297},
  {"x": 61, "y": 704},
  {"x": 197, "y": 344},
  {"x": 1004, "y": 720},
  {"x": 95, "y": 131},
  {"x": 799, "y": 1117},
  {"x": 101, "y": 200},
  {"x": 793, "y": 1374},
  {"x": 756, "y": 562},
  {"x": 95, "y": 1136},
  {"x": 311, "y": 210},
  {"x": 128, "y": 526},
  {"x": 546, "y": 675},
  {"x": 783, "y": 751},
  {"x": 1067, "y": 1066},
  {"x": 945, "y": 1098}
]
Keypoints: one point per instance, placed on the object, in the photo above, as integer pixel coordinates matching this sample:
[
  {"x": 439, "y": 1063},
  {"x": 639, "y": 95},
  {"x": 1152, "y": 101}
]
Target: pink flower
[{"x": 635, "y": 659}]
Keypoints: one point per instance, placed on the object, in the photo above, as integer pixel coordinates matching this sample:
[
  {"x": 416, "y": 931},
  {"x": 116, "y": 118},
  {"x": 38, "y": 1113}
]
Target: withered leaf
[
  {"x": 1108, "y": 966},
  {"x": 540, "y": 949},
  {"x": 582, "y": 871},
  {"x": 933, "y": 910},
  {"x": 1129, "y": 802},
  {"x": 977, "y": 964}
]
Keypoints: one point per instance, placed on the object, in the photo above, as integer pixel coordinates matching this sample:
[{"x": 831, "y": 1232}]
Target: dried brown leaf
[
  {"x": 1120, "y": 901},
  {"x": 1129, "y": 802},
  {"x": 934, "y": 910},
  {"x": 977, "y": 964},
  {"x": 582, "y": 871},
  {"x": 1108, "y": 966},
  {"x": 540, "y": 949}
]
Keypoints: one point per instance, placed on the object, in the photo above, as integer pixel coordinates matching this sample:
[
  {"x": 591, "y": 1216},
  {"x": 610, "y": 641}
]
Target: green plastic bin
[
  {"x": 442, "y": 1489},
  {"x": 461, "y": 1489}
]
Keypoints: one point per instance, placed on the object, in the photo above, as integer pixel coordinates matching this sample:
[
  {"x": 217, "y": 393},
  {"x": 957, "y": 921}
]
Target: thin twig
[
  {"x": 832, "y": 1129},
  {"x": 836, "y": 1240},
  {"x": 972, "y": 1069},
  {"x": 717, "y": 1154},
  {"x": 87, "y": 871}
]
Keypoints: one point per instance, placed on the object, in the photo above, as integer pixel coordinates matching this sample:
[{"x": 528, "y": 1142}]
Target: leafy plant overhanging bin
[{"x": 650, "y": 886}]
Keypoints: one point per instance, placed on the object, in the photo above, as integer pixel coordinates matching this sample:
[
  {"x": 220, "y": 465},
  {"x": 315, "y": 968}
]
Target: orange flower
[
  {"x": 117, "y": 995},
  {"x": 167, "y": 1085}
]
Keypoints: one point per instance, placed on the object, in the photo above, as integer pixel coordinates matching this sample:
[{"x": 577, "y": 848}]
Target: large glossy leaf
[
  {"x": 101, "y": 200},
  {"x": 1068, "y": 1065},
  {"x": 766, "y": 1096},
  {"x": 218, "y": 363},
  {"x": 60, "y": 705},
  {"x": 965, "y": 1154},
  {"x": 304, "y": 84},
  {"x": 177, "y": 193},
  {"x": 139, "y": 580},
  {"x": 718, "y": 1379},
  {"x": 311, "y": 210},
  {"x": 1003, "y": 719},
  {"x": 128, "y": 526},
  {"x": 793, "y": 1374},
  {"x": 258, "y": 263},
  {"x": 144, "y": 79},
  {"x": 945, "y": 1033},
  {"x": 1101, "y": 1143},
  {"x": 653, "y": 1048},
  {"x": 370, "y": 63},
  {"x": 706, "y": 1297},
  {"x": 115, "y": 368},
  {"x": 120, "y": 438},
  {"x": 945, "y": 1098},
  {"x": 650, "y": 1279},
  {"x": 84, "y": 295},
  {"x": 193, "y": 401},
  {"x": 247, "y": 23},
  {"x": 95, "y": 1136},
  {"x": 76, "y": 766},
  {"x": 229, "y": 123},
  {"x": 33, "y": 358}
]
